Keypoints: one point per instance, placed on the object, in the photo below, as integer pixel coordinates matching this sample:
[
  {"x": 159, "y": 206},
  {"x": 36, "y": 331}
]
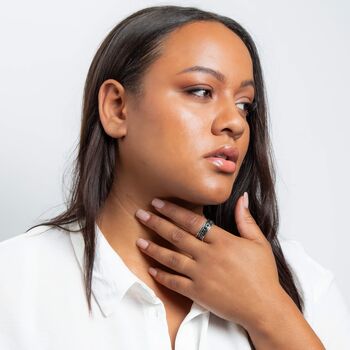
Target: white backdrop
[{"x": 47, "y": 47}]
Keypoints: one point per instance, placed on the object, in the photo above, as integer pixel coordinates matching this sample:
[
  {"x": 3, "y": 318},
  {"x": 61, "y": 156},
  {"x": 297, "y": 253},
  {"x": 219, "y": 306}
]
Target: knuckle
[
  {"x": 173, "y": 283},
  {"x": 192, "y": 221},
  {"x": 177, "y": 235},
  {"x": 249, "y": 219},
  {"x": 173, "y": 261}
]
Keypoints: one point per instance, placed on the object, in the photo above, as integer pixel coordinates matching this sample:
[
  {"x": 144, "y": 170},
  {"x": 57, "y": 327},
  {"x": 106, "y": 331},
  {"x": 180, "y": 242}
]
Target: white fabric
[{"x": 43, "y": 304}]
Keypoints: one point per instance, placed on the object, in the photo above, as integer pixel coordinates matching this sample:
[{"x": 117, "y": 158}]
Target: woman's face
[{"x": 170, "y": 130}]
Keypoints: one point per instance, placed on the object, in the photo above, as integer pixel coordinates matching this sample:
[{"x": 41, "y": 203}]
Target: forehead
[{"x": 205, "y": 43}]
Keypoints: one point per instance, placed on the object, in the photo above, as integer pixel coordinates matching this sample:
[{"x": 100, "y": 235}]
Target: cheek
[
  {"x": 171, "y": 127},
  {"x": 163, "y": 136},
  {"x": 164, "y": 148}
]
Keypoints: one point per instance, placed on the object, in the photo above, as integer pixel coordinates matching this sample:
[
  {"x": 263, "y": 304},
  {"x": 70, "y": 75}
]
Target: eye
[
  {"x": 248, "y": 107},
  {"x": 191, "y": 92}
]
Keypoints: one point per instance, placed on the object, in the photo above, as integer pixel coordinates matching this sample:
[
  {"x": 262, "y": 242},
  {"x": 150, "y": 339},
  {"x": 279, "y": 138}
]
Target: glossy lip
[{"x": 231, "y": 152}]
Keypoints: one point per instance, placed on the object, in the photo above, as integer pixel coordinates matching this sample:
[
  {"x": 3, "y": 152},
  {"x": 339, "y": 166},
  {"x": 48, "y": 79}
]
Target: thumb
[{"x": 246, "y": 225}]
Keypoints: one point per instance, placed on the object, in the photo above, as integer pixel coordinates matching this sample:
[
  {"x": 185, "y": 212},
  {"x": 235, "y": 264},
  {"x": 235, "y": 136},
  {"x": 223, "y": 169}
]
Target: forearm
[{"x": 284, "y": 328}]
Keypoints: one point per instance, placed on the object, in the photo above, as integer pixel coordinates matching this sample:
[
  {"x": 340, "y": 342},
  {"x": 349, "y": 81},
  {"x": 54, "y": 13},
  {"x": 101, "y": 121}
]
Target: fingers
[
  {"x": 245, "y": 222},
  {"x": 174, "y": 260},
  {"x": 186, "y": 219},
  {"x": 174, "y": 234},
  {"x": 179, "y": 284}
]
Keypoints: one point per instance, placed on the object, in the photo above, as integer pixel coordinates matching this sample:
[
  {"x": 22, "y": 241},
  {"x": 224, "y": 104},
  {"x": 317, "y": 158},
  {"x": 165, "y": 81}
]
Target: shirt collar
[{"x": 111, "y": 278}]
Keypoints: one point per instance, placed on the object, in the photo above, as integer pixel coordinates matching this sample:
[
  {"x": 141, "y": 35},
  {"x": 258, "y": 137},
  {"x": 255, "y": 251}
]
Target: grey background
[{"x": 47, "y": 47}]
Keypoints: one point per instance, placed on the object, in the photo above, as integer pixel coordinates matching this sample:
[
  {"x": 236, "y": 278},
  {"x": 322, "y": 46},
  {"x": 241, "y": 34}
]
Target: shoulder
[
  {"x": 33, "y": 267},
  {"x": 29, "y": 257},
  {"x": 325, "y": 307},
  {"x": 38, "y": 242},
  {"x": 41, "y": 285},
  {"x": 309, "y": 274}
]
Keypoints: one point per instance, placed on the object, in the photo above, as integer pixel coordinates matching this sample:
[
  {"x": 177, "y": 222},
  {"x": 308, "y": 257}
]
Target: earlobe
[{"x": 112, "y": 108}]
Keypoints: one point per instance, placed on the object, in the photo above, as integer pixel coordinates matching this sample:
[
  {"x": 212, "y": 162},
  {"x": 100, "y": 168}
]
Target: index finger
[{"x": 184, "y": 218}]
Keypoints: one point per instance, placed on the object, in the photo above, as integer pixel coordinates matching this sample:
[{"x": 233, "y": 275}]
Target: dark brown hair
[{"x": 124, "y": 55}]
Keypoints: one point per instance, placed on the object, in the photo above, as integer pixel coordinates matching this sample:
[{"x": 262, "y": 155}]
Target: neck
[{"x": 121, "y": 228}]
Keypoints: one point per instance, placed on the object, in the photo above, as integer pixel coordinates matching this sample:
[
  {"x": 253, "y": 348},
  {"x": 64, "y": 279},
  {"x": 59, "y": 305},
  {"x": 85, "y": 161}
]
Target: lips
[{"x": 229, "y": 151}]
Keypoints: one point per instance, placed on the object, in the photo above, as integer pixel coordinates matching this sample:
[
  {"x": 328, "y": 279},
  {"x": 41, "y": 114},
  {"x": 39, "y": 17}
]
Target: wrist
[
  {"x": 276, "y": 310},
  {"x": 283, "y": 326}
]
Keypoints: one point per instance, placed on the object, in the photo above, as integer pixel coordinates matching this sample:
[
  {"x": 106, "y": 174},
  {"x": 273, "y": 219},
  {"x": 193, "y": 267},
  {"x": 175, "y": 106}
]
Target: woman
[{"x": 170, "y": 92}]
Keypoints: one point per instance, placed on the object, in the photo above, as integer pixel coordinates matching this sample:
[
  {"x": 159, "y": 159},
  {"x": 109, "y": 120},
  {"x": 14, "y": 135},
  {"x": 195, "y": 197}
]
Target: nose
[{"x": 229, "y": 119}]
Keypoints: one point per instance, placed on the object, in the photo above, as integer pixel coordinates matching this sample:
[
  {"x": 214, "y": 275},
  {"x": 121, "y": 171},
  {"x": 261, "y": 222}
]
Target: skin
[{"x": 162, "y": 140}]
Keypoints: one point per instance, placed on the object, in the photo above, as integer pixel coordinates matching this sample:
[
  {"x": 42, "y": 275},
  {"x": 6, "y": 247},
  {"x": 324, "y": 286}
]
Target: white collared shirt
[{"x": 43, "y": 303}]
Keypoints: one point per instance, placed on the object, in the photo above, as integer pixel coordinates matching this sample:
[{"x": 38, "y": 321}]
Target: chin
[{"x": 209, "y": 195}]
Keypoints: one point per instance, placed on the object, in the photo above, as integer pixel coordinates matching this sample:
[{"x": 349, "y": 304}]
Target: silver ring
[{"x": 204, "y": 229}]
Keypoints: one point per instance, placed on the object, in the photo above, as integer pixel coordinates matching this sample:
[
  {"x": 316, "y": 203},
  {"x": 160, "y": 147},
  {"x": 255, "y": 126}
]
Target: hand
[{"x": 234, "y": 277}]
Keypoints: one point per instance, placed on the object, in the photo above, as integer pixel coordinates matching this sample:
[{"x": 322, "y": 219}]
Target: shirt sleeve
[
  {"x": 330, "y": 318},
  {"x": 325, "y": 307}
]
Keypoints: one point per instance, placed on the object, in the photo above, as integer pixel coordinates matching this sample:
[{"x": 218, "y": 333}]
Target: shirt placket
[{"x": 157, "y": 326}]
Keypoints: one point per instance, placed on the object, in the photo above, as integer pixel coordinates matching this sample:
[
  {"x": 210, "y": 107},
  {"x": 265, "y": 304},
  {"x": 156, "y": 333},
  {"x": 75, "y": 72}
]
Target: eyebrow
[{"x": 216, "y": 74}]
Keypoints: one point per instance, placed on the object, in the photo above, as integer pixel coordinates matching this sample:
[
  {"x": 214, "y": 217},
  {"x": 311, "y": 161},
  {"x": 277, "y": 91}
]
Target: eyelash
[{"x": 250, "y": 106}]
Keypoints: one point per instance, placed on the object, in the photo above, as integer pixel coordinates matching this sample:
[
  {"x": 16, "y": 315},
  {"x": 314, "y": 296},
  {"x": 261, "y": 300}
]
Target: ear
[{"x": 112, "y": 108}]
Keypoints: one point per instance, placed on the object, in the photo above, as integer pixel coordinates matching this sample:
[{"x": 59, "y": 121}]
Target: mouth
[
  {"x": 224, "y": 158},
  {"x": 226, "y": 166}
]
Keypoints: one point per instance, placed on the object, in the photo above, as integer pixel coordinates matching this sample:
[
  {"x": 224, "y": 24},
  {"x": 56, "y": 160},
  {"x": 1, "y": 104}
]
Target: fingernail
[
  {"x": 245, "y": 200},
  {"x": 142, "y": 243},
  {"x": 157, "y": 203},
  {"x": 143, "y": 215},
  {"x": 152, "y": 271}
]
